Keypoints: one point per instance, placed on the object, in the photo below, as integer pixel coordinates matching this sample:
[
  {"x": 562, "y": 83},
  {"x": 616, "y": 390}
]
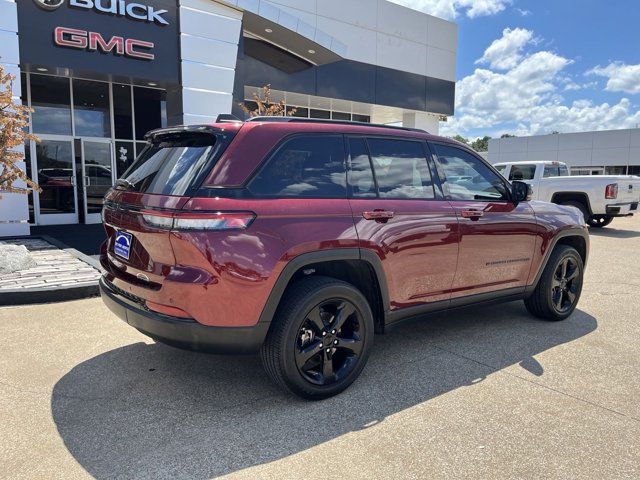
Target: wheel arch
[
  {"x": 582, "y": 197},
  {"x": 577, "y": 238},
  {"x": 359, "y": 267}
]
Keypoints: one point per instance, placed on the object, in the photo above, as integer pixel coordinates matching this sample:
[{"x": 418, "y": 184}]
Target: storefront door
[
  {"x": 55, "y": 173},
  {"x": 97, "y": 176}
]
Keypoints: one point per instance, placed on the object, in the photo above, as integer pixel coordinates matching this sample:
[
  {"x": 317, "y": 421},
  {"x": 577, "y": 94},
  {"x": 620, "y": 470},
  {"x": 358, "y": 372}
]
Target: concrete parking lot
[{"x": 484, "y": 393}]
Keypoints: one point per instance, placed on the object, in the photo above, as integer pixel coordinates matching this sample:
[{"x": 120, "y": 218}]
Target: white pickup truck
[{"x": 600, "y": 198}]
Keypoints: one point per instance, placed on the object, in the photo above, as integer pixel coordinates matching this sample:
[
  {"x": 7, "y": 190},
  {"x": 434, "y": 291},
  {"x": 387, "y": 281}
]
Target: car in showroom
[{"x": 301, "y": 238}]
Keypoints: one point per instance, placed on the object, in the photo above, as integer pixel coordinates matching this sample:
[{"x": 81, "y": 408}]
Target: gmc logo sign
[{"x": 93, "y": 41}]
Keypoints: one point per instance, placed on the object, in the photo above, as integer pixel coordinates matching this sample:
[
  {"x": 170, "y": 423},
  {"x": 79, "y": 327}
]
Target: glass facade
[{"x": 88, "y": 131}]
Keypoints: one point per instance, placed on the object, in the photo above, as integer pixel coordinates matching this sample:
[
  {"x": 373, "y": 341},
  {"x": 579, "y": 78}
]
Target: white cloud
[
  {"x": 521, "y": 93},
  {"x": 450, "y": 9},
  {"x": 621, "y": 77},
  {"x": 523, "y": 12},
  {"x": 506, "y": 51}
]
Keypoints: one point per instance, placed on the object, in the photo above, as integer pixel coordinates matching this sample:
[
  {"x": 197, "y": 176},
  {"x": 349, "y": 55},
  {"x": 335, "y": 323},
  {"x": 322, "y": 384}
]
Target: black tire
[
  {"x": 599, "y": 221},
  {"x": 311, "y": 306},
  {"x": 580, "y": 206},
  {"x": 558, "y": 290}
]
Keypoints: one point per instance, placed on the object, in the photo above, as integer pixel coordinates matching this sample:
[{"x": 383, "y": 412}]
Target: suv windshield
[{"x": 170, "y": 167}]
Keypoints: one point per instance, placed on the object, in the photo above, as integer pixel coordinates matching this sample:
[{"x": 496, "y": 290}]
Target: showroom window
[
  {"x": 91, "y": 113},
  {"x": 150, "y": 108},
  {"x": 305, "y": 166},
  {"x": 122, "y": 111},
  {"x": 51, "y": 103}
]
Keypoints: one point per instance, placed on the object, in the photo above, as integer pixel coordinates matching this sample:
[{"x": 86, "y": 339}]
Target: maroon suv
[{"x": 300, "y": 239}]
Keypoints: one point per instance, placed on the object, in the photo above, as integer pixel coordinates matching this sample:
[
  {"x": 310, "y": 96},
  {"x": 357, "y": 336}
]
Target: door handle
[
  {"x": 379, "y": 215},
  {"x": 87, "y": 181},
  {"x": 471, "y": 213}
]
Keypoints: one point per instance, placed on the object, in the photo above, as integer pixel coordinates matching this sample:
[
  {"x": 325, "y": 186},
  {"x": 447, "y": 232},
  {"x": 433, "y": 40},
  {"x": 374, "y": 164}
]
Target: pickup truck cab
[{"x": 600, "y": 198}]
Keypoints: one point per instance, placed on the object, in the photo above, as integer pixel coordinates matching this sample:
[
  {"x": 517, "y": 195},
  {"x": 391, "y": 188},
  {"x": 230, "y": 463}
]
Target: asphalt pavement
[{"x": 483, "y": 393}]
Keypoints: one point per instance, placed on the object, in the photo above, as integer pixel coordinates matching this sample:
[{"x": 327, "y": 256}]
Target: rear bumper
[
  {"x": 622, "y": 209},
  {"x": 183, "y": 333}
]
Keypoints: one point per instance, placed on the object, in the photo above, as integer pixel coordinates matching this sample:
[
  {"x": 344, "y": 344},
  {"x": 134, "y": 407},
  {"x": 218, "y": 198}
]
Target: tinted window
[
  {"x": 563, "y": 171},
  {"x": 401, "y": 169},
  {"x": 170, "y": 168},
  {"x": 360, "y": 173},
  {"x": 555, "y": 171},
  {"x": 467, "y": 177},
  {"x": 51, "y": 103},
  {"x": 91, "y": 110},
  {"x": 150, "y": 110},
  {"x": 122, "y": 113},
  {"x": 305, "y": 166},
  {"x": 522, "y": 172},
  {"x": 500, "y": 168}
]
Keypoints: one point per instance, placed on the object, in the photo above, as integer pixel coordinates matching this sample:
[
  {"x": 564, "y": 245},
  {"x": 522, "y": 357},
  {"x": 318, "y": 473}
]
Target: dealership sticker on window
[{"x": 122, "y": 245}]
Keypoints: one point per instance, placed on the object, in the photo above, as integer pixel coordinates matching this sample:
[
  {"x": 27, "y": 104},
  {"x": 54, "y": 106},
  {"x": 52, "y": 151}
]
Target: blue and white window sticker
[{"x": 122, "y": 245}]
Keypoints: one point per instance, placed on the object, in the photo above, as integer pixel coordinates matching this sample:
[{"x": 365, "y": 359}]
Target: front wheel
[
  {"x": 599, "y": 221},
  {"x": 320, "y": 338},
  {"x": 558, "y": 290}
]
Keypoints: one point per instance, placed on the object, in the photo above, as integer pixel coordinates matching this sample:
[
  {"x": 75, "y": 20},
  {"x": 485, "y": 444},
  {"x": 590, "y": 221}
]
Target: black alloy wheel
[
  {"x": 320, "y": 337},
  {"x": 564, "y": 286},
  {"x": 557, "y": 293},
  {"x": 329, "y": 342}
]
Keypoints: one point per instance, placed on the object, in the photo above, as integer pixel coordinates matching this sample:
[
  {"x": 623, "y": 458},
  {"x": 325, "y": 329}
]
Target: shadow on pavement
[
  {"x": 153, "y": 411},
  {"x": 613, "y": 233}
]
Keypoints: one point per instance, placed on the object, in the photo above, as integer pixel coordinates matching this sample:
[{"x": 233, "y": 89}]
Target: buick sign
[
  {"x": 120, "y": 8},
  {"x": 49, "y": 4}
]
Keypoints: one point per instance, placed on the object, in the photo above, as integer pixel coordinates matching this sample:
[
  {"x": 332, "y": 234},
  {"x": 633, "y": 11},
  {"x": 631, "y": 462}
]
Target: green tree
[
  {"x": 507, "y": 135},
  {"x": 461, "y": 139},
  {"x": 481, "y": 144}
]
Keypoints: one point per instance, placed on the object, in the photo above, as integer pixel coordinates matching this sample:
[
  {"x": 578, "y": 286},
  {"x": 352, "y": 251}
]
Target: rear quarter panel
[{"x": 244, "y": 265}]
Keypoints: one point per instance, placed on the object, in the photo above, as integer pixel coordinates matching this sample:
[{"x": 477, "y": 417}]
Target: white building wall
[
  {"x": 585, "y": 149},
  {"x": 14, "y": 208},
  {"x": 209, "y": 36},
  {"x": 383, "y": 33}
]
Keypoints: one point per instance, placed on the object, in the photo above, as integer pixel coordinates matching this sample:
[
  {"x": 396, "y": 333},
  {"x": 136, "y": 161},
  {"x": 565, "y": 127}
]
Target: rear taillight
[
  {"x": 199, "y": 220},
  {"x": 611, "y": 191}
]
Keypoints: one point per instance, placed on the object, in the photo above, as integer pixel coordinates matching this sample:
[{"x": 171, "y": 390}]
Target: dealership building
[
  {"x": 606, "y": 152},
  {"x": 99, "y": 74}
]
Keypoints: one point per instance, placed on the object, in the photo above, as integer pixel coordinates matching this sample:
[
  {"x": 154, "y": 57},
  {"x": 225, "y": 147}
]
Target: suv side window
[
  {"x": 401, "y": 168},
  {"x": 304, "y": 166},
  {"x": 467, "y": 177},
  {"x": 360, "y": 173},
  {"x": 522, "y": 172}
]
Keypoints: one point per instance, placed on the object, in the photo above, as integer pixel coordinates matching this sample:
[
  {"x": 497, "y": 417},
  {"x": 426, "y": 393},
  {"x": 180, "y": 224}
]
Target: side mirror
[{"x": 520, "y": 191}]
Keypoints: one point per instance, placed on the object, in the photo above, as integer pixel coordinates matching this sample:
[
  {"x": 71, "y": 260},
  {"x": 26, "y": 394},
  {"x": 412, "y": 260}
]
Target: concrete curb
[{"x": 53, "y": 294}]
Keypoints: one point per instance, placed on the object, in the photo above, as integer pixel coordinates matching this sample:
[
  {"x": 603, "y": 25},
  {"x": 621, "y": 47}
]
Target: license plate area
[{"x": 122, "y": 244}]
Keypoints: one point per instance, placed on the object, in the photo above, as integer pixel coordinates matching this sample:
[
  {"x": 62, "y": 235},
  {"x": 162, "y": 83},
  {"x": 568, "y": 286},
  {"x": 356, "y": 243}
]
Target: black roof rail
[{"x": 335, "y": 122}]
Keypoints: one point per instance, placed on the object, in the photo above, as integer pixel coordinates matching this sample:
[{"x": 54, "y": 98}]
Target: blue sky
[{"x": 533, "y": 67}]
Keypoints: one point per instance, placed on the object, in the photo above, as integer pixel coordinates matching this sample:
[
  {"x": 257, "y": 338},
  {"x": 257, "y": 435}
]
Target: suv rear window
[
  {"x": 304, "y": 166},
  {"x": 172, "y": 166}
]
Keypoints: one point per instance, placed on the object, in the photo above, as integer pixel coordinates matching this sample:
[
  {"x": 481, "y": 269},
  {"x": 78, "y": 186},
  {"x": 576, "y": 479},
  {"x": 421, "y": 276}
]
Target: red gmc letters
[{"x": 93, "y": 41}]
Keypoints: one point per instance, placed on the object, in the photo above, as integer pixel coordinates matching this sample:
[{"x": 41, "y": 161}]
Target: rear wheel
[
  {"x": 320, "y": 338},
  {"x": 580, "y": 206},
  {"x": 599, "y": 221},
  {"x": 558, "y": 290}
]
